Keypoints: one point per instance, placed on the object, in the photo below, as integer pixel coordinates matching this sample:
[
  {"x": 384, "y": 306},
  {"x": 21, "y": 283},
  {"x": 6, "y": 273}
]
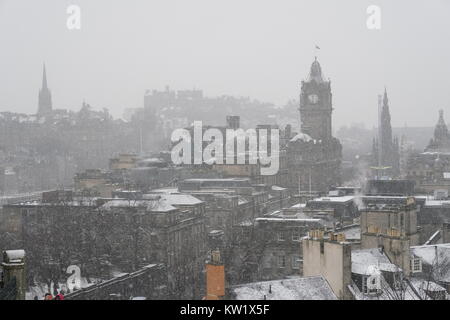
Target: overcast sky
[{"x": 256, "y": 48}]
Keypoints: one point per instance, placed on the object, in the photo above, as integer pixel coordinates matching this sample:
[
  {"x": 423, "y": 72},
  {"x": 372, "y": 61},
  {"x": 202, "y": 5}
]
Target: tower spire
[
  {"x": 387, "y": 145},
  {"x": 45, "y": 96},
  {"x": 44, "y": 78},
  {"x": 385, "y": 98}
]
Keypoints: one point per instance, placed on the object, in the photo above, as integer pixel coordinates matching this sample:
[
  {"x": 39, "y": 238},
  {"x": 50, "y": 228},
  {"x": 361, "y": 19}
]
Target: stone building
[
  {"x": 106, "y": 235},
  {"x": 441, "y": 139},
  {"x": 228, "y": 164},
  {"x": 166, "y": 229},
  {"x": 431, "y": 169},
  {"x": 341, "y": 210},
  {"x": 314, "y": 155},
  {"x": 390, "y": 223},
  {"x": 280, "y": 236},
  {"x": 331, "y": 259}
]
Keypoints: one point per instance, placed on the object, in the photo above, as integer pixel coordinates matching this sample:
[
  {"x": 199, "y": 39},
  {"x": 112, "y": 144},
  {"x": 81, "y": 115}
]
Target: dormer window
[{"x": 416, "y": 265}]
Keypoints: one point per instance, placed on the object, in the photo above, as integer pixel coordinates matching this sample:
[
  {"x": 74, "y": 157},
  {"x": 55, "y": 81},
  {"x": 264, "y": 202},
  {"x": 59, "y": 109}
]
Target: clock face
[{"x": 313, "y": 98}]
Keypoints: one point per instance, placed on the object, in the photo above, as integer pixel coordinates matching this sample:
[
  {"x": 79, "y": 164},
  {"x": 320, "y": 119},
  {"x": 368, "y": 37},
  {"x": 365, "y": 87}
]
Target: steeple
[
  {"x": 388, "y": 148},
  {"x": 385, "y": 99},
  {"x": 45, "y": 96},
  {"x": 44, "y": 79},
  {"x": 385, "y": 121}
]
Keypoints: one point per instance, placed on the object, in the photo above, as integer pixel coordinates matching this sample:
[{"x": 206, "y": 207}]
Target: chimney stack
[{"x": 215, "y": 277}]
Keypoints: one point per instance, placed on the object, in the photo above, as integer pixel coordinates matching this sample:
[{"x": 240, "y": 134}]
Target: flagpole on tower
[{"x": 316, "y": 48}]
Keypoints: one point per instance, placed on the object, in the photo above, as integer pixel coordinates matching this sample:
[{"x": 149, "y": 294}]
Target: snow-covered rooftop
[
  {"x": 150, "y": 205},
  {"x": 423, "y": 285},
  {"x": 364, "y": 260},
  {"x": 165, "y": 190},
  {"x": 299, "y": 205},
  {"x": 436, "y": 255},
  {"x": 334, "y": 199},
  {"x": 175, "y": 199},
  {"x": 283, "y": 219},
  {"x": 14, "y": 256},
  {"x": 437, "y": 203},
  {"x": 307, "y": 288},
  {"x": 428, "y": 252},
  {"x": 302, "y": 137}
]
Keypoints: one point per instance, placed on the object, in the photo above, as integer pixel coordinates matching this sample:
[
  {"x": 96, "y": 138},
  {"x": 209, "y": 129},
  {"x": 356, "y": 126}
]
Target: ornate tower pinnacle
[
  {"x": 316, "y": 104},
  {"x": 388, "y": 148}
]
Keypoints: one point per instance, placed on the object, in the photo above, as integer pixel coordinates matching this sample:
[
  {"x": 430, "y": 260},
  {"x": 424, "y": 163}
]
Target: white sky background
[{"x": 256, "y": 48}]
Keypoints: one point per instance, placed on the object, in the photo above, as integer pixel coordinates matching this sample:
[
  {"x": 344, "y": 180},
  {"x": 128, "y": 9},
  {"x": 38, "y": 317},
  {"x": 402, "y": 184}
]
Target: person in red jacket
[
  {"x": 59, "y": 296},
  {"x": 48, "y": 296}
]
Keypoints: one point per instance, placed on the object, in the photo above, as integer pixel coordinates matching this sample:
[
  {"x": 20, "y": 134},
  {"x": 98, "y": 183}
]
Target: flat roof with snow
[{"x": 307, "y": 288}]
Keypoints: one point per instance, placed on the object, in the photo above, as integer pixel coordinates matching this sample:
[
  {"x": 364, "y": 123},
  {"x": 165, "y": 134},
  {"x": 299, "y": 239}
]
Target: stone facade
[
  {"x": 330, "y": 259},
  {"x": 392, "y": 226},
  {"x": 431, "y": 168},
  {"x": 100, "y": 235}
]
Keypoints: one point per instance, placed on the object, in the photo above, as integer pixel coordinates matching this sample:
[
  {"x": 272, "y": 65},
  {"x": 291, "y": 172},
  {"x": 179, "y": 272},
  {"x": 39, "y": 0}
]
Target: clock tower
[
  {"x": 316, "y": 105},
  {"x": 314, "y": 156}
]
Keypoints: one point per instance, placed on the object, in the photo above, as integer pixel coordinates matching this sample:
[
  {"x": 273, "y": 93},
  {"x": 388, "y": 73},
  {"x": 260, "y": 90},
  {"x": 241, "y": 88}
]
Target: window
[
  {"x": 281, "y": 236},
  {"x": 372, "y": 289},
  {"x": 282, "y": 261},
  {"x": 296, "y": 261},
  {"x": 295, "y": 235},
  {"x": 416, "y": 265}
]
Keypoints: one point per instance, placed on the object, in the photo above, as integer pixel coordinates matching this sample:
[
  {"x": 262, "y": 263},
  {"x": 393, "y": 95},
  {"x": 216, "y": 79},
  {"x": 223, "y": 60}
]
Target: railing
[{"x": 9, "y": 290}]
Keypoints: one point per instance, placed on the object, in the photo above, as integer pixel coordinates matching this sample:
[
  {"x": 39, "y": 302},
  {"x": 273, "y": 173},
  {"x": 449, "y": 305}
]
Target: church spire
[
  {"x": 385, "y": 99},
  {"x": 44, "y": 79},
  {"x": 45, "y": 96},
  {"x": 387, "y": 145}
]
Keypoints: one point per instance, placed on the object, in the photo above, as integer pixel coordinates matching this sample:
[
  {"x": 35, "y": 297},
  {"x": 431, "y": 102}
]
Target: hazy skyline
[{"x": 255, "y": 48}]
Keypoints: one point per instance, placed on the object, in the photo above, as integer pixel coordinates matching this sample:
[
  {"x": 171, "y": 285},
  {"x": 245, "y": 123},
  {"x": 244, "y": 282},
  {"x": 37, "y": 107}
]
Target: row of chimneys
[{"x": 319, "y": 235}]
